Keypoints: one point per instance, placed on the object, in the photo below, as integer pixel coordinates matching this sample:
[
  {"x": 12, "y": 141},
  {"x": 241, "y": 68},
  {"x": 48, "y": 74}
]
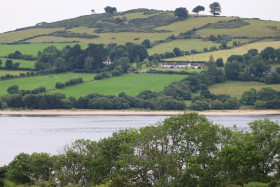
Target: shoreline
[{"x": 84, "y": 112}]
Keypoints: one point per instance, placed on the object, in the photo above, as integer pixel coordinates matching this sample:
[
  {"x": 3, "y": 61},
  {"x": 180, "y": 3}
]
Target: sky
[{"x": 22, "y": 13}]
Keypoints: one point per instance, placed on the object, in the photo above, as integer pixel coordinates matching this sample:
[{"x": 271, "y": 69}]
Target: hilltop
[{"x": 162, "y": 28}]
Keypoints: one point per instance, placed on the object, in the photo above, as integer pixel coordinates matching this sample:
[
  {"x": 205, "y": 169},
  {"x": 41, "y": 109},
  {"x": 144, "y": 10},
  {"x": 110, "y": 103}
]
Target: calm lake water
[{"x": 51, "y": 133}]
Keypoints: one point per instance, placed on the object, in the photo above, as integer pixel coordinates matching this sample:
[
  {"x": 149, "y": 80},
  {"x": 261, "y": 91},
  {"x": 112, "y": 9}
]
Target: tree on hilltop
[
  {"x": 198, "y": 8},
  {"x": 110, "y": 10},
  {"x": 181, "y": 13},
  {"x": 215, "y": 9}
]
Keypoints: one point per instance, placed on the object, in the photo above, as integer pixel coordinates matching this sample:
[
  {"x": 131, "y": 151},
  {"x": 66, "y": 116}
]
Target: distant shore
[{"x": 134, "y": 112}]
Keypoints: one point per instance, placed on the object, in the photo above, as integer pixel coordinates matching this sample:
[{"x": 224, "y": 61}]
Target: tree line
[
  {"x": 184, "y": 150},
  {"x": 92, "y": 58}
]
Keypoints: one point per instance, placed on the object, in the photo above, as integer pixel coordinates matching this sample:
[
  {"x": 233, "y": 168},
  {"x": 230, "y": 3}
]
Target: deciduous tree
[
  {"x": 198, "y": 9},
  {"x": 215, "y": 9},
  {"x": 182, "y": 13}
]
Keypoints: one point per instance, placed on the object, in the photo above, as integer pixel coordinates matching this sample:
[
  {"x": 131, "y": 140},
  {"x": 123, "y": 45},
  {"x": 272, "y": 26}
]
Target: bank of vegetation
[{"x": 184, "y": 150}]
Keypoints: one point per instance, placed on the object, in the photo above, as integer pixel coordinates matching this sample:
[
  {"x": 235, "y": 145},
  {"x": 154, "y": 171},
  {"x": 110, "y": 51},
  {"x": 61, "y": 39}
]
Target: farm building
[
  {"x": 177, "y": 65},
  {"x": 108, "y": 61}
]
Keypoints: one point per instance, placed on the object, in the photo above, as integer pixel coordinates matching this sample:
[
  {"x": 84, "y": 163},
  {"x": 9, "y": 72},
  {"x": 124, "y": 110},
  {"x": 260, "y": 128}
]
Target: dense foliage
[
  {"x": 254, "y": 66},
  {"x": 37, "y": 99},
  {"x": 266, "y": 98},
  {"x": 92, "y": 58},
  {"x": 185, "y": 150}
]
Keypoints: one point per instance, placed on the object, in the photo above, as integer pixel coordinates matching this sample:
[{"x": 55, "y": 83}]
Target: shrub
[
  {"x": 200, "y": 105},
  {"x": 59, "y": 85}
]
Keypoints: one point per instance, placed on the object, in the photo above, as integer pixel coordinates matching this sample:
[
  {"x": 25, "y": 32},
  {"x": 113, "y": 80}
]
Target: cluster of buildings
[
  {"x": 177, "y": 65},
  {"x": 170, "y": 65}
]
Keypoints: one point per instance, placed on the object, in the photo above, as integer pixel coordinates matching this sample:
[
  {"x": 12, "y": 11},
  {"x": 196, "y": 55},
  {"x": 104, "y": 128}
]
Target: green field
[
  {"x": 107, "y": 38},
  {"x": 30, "y": 49},
  {"x": 190, "y": 23},
  {"x": 20, "y": 35},
  {"x": 48, "y": 81},
  {"x": 227, "y": 53},
  {"x": 256, "y": 28},
  {"x": 4, "y": 72},
  {"x": 237, "y": 88},
  {"x": 131, "y": 84},
  {"x": 23, "y": 63},
  {"x": 184, "y": 45}
]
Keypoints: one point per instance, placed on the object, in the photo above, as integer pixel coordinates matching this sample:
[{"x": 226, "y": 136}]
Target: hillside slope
[{"x": 164, "y": 30}]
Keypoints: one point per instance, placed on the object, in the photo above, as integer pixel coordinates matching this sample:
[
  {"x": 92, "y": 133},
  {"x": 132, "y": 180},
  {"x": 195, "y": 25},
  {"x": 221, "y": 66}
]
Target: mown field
[
  {"x": 23, "y": 63},
  {"x": 131, "y": 84},
  {"x": 30, "y": 49},
  {"x": 228, "y": 52},
  {"x": 237, "y": 88},
  {"x": 184, "y": 45},
  {"x": 48, "y": 81},
  {"x": 5, "y": 72},
  {"x": 106, "y": 38},
  {"x": 20, "y": 35},
  {"x": 255, "y": 29},
  {"x": 190, "y": 23}
]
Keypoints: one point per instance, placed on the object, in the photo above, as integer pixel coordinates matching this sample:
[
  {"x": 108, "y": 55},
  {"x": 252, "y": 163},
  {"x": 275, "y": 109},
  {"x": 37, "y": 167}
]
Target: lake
[{"x": 51, "y": 133}]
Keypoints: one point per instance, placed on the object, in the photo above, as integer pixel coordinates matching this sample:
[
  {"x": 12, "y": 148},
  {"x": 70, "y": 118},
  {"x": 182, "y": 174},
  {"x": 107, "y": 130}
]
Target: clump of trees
[
  {"x": 253, "y": 66},
  {"x": 36, "y": 99},
  {"x": 184, "y": 150},
  {"x": 266, "y": 98},
  {"x": 18, "y": 55},
  {"x": 88, "y": 60},
  {"x": 182, "y": 13},
  {"x": 110, "y": 10}
]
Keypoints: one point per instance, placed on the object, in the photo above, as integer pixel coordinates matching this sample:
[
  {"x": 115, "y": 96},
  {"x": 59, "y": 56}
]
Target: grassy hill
[
  {"x": 165, "y": 32},
  {"x": 162, "y": 28}
]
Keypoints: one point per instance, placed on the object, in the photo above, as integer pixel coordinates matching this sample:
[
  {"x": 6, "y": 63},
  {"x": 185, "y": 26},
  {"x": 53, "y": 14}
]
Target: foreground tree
[
  {"x": 198, "y": 9},
  {"x": 182, "y": 13},
  {"x": 215, "y": 9}
]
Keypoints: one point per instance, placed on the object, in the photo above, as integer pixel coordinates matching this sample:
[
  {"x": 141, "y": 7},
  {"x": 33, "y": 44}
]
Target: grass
[
  {"x": 227, "y": 53},
  {"x": 23, "y": 63},
  {"x": 106, "y": 38},
  {"x": 256, "y": 28},
  {"x": 4, "y": 72},
  {"x": 237, "y": 88},
  {"x": 131, "y": 84},
  {"x": 273, "y": 66},
  {"x": 135, "y": 15},
  {"x": 48, "y": 81},
  {"x": 190, "y": 23},
  {"x": 30, "y": 49},
  {"x": 19, "y": 35},
  {"x": 184, "y": 45}
]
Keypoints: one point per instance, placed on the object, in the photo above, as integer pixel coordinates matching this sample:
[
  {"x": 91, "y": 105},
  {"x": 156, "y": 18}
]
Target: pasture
[
  {"x": 184, "y": 45},
  {"x": 190, "y": 23},
  {"x": 255, "y": 29},
  {"x": 228, "y": 52},
  {"x": 10, "y": 72},
  {"x": 106, "y": 38},
  {"x": 30, "y": 49},
  {"x": 9, "y": 37},
  {"x": 47, "y": 81},
  {"x": 237, "y": 88},
  {"x": 23, "y": 63},
  {"x": 131, "y": 84}
]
